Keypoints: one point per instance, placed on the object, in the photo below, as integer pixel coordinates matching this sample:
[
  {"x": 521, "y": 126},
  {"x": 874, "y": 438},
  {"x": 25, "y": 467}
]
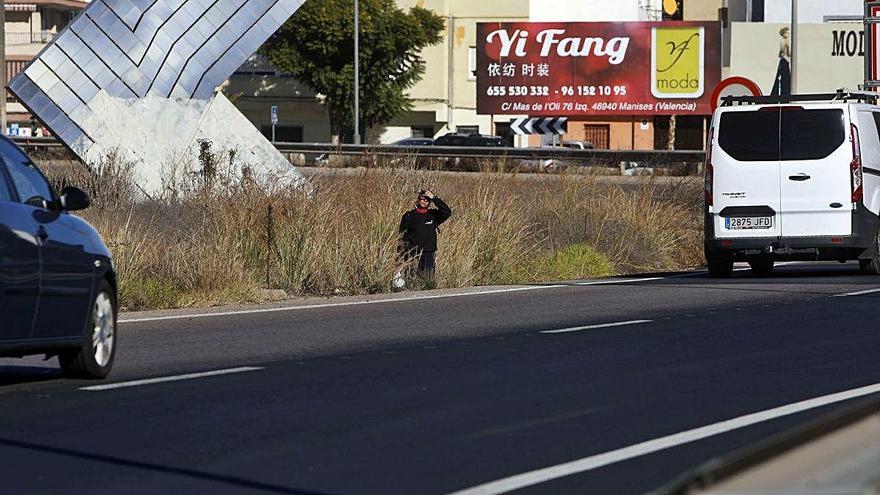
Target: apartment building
[{"x": 29, "y": 27}]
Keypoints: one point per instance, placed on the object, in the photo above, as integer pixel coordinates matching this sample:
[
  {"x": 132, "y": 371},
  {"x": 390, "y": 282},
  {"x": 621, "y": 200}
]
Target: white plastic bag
[{"x": 398, "y": 281}]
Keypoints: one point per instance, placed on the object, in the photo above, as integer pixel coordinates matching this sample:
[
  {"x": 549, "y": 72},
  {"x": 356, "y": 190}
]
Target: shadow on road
[
  {"x": 159, "y": 468},
  {"x": 16, "y": 375}
]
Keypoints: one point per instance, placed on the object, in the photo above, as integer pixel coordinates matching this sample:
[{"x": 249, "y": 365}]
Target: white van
[{"x": 793, "y": 178}]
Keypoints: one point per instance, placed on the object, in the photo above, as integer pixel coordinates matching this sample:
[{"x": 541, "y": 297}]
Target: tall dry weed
[{"x": 212, "y": 237}]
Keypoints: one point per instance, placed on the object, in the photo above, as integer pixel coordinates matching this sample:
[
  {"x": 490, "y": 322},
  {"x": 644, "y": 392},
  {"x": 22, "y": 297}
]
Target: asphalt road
[{"x": 447, "y": 391}]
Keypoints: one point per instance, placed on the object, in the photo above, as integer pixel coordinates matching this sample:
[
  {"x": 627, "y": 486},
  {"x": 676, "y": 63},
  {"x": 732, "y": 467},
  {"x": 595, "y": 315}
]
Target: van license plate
[{"x": 743, "y": 223}]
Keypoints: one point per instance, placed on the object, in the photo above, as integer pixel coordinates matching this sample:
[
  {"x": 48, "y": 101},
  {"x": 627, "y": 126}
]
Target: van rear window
[{"x": 763, "y": 135}]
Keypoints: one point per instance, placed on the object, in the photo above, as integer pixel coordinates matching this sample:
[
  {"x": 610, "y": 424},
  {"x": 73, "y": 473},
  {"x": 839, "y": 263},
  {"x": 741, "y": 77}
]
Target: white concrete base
[{"x": 162, "y": 136}]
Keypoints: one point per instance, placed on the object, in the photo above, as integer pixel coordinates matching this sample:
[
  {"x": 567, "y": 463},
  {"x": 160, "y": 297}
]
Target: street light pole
[
  {"x": 357, "y": 63},
  {"x": 794, "y": 24}
]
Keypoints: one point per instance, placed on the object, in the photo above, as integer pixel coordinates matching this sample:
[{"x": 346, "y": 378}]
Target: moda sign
[{"x": 597, "y": 68}]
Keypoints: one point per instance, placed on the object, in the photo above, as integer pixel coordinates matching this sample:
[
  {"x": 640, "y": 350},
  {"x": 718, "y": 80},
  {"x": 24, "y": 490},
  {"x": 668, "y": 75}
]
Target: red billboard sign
[{"x": 597, "y": 68}]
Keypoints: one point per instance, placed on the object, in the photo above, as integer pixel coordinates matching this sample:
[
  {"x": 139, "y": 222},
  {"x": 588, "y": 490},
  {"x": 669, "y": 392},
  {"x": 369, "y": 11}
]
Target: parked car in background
[
  {"x": 58, "y": 292},
  {"x": 635, "y": 168},
  {"x": 414, "y": 142},
  {"x": 467, "y": 140},
  {"x": 579, "y": 145},
  {"x": 458, "y": 139}
]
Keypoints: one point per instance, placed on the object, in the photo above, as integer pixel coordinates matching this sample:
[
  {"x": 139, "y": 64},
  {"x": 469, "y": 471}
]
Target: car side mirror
[{"x": 74, "y": 198}]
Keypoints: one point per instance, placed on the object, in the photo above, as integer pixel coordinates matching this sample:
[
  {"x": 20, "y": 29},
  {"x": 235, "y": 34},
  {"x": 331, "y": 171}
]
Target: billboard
[
  {"x": 831, "y": 55},
  {"x": 597, "y": 68}
]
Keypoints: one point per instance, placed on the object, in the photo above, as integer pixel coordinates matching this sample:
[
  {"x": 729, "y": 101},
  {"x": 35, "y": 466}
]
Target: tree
[{"x": 316, "y": 46}]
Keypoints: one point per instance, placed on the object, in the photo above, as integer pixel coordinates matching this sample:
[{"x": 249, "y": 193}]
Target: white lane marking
[
  {"x": 535, "y": 477},
  {"x": 175, "y": 378},
  {"x": 400, "y": 299},
  {"x": 627, "y": 281},
  {"x": 859, "y": 293},
  {"x": 339, "y": 304},
  {"x": 601, "y": 325}
]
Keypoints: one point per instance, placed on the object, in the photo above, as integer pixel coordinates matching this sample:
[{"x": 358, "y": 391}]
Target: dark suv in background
[
  {"x": 57, "y": 282},
  {"x": 469, "y": 164},
  {"x": 457, "y": 139}
]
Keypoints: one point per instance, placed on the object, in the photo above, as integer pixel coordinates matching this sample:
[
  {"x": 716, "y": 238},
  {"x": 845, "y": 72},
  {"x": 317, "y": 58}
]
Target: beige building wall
[
  {"x": 297, "y": 106},
  {"x": 702, "y": 10},
  {"x": 19, "y": 26},
  {"x": 447, "y": 90},
  {"x": 755, "y": 48}
]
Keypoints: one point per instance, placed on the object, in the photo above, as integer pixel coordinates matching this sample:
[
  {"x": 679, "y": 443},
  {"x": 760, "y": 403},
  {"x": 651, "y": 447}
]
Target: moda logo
[{"x": 677, "y": 62}]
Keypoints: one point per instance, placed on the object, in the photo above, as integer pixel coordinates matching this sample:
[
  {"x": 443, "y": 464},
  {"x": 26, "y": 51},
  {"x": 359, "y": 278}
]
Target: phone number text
[{"x": 604, "y": 90}]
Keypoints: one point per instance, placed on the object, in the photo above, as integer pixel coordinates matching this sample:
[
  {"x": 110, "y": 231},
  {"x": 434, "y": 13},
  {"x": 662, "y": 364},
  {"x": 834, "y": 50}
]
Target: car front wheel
[{"x": 94, "y": 358}]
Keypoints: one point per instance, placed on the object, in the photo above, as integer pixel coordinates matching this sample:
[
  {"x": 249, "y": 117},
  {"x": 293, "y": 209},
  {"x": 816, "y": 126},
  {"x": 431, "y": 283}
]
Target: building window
[
  {"x": 472, "y": 63},
  {"x": 757, "y": 11},
  {"x": 422, "y": 131},
  {"x": 467, "y": 129},
  {"x": 599, "y": 135}
]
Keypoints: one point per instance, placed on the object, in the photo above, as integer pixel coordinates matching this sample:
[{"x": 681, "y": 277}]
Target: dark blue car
[{"x": 57, "y": 282}]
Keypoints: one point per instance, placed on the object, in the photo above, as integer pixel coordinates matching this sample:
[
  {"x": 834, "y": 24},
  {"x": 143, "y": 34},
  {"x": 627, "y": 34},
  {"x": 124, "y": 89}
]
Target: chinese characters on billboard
[{"x": 597, "y": 68}]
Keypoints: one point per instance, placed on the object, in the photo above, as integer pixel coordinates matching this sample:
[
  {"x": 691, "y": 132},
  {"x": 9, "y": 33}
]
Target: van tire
[
  {"x": 719, "y": 266},
  {"x": 871, "y": 266},
  {"x": 761, "y": 265}
]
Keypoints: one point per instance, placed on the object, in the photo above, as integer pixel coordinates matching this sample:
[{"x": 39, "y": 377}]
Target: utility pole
[
  {"x": 357, "y": 64},
  {"x": 794, "y": 24},
  {"x": 2, "y": 67}
]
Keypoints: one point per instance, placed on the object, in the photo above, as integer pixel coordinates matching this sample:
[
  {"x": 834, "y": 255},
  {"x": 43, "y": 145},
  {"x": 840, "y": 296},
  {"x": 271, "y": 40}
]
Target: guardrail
[
  {"x": 577, "y": 157},
  {"x": 555, "y": 153}
]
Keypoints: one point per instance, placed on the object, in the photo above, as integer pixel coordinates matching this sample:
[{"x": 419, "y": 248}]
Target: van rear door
[
  {"x": 746, "y": 173},
  {"x": 815, "y": 156}
]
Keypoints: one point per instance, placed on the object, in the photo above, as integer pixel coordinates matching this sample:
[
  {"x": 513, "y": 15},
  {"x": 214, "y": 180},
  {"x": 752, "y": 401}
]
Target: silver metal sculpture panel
[{"x": 140, "y": 77}]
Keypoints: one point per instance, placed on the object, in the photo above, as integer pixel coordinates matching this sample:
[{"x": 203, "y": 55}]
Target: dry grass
[{"x": 208, "y": 243}]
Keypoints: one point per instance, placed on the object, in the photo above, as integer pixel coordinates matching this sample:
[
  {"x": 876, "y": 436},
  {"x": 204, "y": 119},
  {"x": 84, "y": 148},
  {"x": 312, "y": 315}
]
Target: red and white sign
[
  {"x": 597, "y": 68},
  {"x": 734, "y": 86},
  {"x": 874, "y": 61}
]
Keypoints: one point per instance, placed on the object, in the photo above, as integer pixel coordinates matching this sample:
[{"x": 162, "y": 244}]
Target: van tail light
[
  {"x": 710, "y": 172},
  {"x": 855, "y": 166}
]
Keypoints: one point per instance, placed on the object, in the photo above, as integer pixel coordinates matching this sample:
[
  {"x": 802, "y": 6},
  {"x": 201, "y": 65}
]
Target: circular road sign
[{"x": 734, "y": 86}]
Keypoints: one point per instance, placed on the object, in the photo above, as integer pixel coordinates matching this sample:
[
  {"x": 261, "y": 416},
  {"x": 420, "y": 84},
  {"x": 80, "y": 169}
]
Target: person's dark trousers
[{"x": 425, "y": 270}]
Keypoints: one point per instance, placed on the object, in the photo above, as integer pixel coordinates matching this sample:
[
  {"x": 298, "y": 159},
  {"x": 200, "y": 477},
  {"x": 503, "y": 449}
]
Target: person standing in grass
[{"x": 418, "y": 233}]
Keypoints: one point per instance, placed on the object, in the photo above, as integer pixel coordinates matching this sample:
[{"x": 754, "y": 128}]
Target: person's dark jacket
[{"x": 419, "y": 230}]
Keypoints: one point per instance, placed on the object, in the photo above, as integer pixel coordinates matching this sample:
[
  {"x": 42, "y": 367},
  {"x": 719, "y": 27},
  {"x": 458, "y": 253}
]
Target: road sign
[
  {"x": 539, "y": 125},
  {"x": 872, "y": 53},
  {"x": 274, "y": 114},
  {"x": 734, "y": 86}
]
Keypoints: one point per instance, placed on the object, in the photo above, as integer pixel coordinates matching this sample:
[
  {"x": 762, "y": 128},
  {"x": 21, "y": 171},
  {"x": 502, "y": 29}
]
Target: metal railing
[
  {"x": 28, "y": 37},
  {"x": 576, "y": 157}
]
